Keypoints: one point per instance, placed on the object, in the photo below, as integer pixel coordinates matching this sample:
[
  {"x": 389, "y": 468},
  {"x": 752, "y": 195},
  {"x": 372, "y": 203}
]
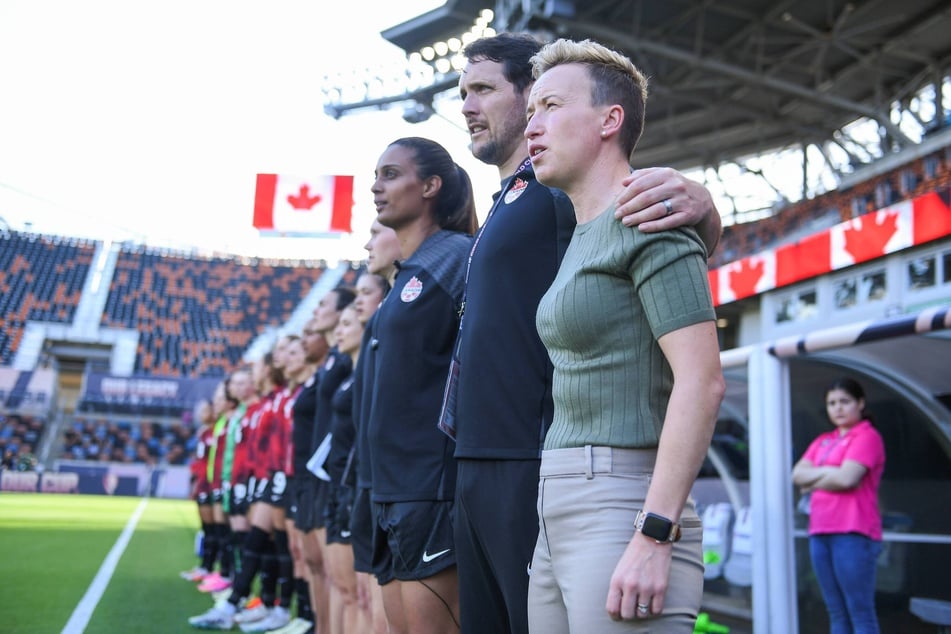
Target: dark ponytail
[{"x": 455, "y": 204}]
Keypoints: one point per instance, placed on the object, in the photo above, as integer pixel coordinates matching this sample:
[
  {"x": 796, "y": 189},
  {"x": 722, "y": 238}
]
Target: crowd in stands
[
  {"x": 926, "y": 174},
  {"x": 41, "y": 279},
  {"x": 19, "y": 437},
  {"x": 123, "y": 441}
]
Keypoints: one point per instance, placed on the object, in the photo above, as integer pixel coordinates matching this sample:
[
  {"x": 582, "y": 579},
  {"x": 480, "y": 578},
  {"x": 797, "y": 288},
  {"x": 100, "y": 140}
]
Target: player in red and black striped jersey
[
  {"x": 258, "y": 554},
  {"x": 274, "y": 424},
  {"x": 201, "y": 489}
]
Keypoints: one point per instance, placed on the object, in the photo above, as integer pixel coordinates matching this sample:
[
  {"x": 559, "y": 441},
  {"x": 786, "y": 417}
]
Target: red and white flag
[
  {"x": 871, "y": 236},
  {"x": 291, "y": 205}
]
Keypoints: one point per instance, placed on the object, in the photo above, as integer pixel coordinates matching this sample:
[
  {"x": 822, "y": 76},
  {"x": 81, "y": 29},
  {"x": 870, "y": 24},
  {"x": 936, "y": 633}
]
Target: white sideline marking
[{"x": 80, "y": 618}]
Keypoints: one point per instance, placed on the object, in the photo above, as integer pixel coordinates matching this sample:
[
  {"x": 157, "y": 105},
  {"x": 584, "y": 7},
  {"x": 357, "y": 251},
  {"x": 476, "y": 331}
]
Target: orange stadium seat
[
  {"x": 196, "y": 316},
  {"x": 41, "y": 279}
]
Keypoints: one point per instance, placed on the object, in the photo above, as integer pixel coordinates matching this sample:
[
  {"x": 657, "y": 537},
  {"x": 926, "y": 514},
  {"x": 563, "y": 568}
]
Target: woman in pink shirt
[{"x": 841, "y": 471}]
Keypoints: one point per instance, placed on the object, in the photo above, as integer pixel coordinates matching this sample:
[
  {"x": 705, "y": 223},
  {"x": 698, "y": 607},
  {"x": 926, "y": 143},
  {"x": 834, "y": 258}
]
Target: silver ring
[
  {"x": 642, "y": 608},
  {"x": 669, "y": 206}
]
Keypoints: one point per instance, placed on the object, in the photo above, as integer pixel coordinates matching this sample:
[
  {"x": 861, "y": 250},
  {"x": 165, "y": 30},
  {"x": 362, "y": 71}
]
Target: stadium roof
[{"x": 730, "y": 78}]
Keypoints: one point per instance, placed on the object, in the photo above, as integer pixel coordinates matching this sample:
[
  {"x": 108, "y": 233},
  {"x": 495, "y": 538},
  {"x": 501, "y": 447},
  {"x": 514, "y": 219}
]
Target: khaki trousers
[{"x": 588, "y": 498}]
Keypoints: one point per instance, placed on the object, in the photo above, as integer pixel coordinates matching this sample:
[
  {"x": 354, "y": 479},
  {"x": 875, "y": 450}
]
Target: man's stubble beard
[{"x": 501, "y": 145}]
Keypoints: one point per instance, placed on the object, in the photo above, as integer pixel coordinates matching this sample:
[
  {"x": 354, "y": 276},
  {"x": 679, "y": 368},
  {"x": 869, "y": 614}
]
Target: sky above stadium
[{"x": 149, "y": 120}]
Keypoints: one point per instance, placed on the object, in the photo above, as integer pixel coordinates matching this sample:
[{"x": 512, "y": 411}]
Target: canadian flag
[{"x": 291, "y": 205}]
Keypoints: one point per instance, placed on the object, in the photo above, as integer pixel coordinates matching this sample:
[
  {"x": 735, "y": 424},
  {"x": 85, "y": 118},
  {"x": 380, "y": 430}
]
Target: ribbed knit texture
[{"x": 617, "y": 291}]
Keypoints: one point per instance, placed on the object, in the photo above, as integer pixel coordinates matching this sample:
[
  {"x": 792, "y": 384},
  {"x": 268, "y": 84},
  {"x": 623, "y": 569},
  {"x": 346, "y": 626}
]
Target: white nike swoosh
[
  {"x": 345, "y": 533},
  {"x": 428, "y": 558}
]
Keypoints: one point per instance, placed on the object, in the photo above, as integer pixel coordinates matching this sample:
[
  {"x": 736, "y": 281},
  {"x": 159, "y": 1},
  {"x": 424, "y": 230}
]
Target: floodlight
[{"x": 418, "y": 112}]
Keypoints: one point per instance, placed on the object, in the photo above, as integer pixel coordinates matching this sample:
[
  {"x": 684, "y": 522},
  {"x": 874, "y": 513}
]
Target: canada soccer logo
[
  {"x": 516, "y": 190},
  {"x": 412, "y": 290}
]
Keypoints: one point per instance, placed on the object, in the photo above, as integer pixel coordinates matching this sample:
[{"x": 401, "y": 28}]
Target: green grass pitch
[{"x": 51, "y": 547}]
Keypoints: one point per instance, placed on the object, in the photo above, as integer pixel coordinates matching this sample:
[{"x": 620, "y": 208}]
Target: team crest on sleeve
[
  {"x": 517, "y": 189},
  {"x": 411, "y": 290}
]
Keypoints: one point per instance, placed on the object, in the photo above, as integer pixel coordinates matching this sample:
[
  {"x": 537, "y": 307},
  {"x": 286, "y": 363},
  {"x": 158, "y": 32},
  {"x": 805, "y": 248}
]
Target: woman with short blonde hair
[{"x": 630, "y": 329}]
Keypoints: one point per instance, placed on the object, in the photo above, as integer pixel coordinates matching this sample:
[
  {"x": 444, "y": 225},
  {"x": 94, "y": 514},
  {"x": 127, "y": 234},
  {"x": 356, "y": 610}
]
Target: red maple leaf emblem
[
  {"x": 744, "y": 281},
  {"x": 869, "y": 241},
  {"x": 302, "y": 200}
]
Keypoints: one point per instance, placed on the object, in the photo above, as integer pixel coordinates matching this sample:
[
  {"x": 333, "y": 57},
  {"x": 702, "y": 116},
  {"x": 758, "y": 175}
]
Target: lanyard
[
  {"x": 478, "y": 237},
  {"x": 829, "y": 448}
]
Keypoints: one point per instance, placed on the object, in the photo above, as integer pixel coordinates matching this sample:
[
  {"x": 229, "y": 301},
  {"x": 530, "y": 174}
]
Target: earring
[{"x": 603, "y": 134}]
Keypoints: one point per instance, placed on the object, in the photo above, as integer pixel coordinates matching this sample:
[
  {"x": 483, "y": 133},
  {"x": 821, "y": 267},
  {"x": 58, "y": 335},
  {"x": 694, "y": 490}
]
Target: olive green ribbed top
[{"x": 617, "y": 291}]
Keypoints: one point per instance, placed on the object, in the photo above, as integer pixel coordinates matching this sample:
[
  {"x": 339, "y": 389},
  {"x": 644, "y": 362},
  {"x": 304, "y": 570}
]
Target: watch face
[{"x": 656, "y": 527}]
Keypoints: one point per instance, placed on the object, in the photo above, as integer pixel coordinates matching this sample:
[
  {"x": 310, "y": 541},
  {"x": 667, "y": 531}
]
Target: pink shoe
[{"x": 214, "y": 583}]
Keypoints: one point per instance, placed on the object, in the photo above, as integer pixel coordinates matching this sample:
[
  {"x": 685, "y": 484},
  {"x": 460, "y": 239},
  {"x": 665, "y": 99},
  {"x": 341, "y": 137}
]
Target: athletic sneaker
[
  {"x": 297, "y": 626},
  {"x": 252, "y": 614},
  {"x": 220, "y": 617},
  {"x": 278, "y": 618},
  {"x": 214, "y": 583},
  {"x": 221, "y": 595},
  {"x": 195, "y": 574}
]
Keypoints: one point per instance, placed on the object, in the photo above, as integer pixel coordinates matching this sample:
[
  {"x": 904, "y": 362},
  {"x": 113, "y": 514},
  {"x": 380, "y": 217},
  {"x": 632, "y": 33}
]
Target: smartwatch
[{"x": 657, "y": 527}]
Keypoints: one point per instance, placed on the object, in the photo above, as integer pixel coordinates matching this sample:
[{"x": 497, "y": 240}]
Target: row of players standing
[
  {"x": 448, "y": 527},
  {"x": 277, "y": 462}
]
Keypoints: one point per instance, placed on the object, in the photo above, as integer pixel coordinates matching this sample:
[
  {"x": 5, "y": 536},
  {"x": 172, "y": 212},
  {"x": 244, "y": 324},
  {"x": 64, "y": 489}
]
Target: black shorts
[
  {"x": 240, "y": 499},
  {"x": 203, "y": 498},
  {"x": 361, "y": 531},
  {"x": 308, "y": 497},
  {"x": 217, "y": 495},
  {"x": 275, "y": 489},
  {"x": 203, "y": 493},
  {"x": 337, "y": 514},
  {"x": 412, "y": 540},
  {"x": 260, "y": 489}
]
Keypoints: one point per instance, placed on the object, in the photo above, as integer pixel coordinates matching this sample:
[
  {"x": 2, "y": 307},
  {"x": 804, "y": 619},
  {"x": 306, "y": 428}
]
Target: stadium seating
[
  {"x": 196, "y": 316},
  {"x": 103, "y": 440},
  {"x": 19, "y": 437},
  {"x": 41, "y": 279}
]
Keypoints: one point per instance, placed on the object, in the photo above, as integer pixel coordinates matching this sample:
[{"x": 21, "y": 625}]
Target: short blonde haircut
[{"x": 615, "y": 80}]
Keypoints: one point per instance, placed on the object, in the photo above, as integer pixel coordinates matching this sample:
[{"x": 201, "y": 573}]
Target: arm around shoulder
[{"x": 642, "y": 204}]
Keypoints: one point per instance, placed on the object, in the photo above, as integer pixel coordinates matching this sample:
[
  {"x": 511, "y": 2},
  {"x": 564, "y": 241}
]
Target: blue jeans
[{"x": 845, "y": 569}]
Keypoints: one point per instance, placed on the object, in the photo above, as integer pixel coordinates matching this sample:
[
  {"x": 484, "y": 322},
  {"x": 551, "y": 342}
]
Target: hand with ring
[{"x": 639, "y": 581}]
